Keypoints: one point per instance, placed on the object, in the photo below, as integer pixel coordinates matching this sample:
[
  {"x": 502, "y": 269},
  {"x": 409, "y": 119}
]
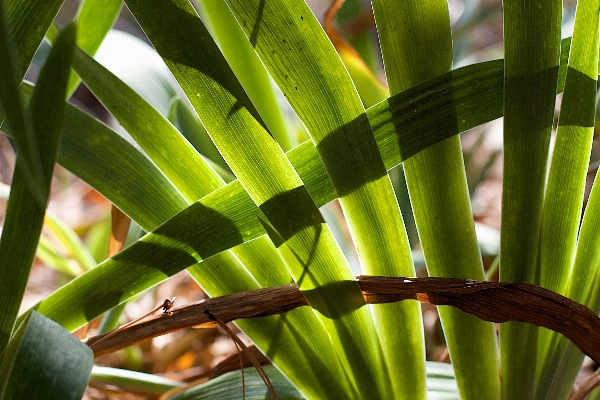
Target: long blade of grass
[
  {"x": 25, "y": 214},
  {"x": 582, "y": 282},
  {"x": 17, "y": 115},
  {"x": 190, "y": 126},
  {"x": 30, "y": 20},
  {"x": 24, "y": 24},
  {"x": 229, "y": 386},
  {"x": 559, "y": 361},
  {"x": 416, "y": 45},
  {"x": 532, "y": 50},
  {"x": 308, "y": 247},
  {"x": 583, "y": 287},
  {"x": 94, "y": 19},
  {"x": 294, "y": 48},
  {"x": 154, "y": 133},
  {"x": 247, "y": 68},
  {"x": 132, "y": 381},
  {"x": 116, "y": 169},
  {"x": 566, "y": 184}
]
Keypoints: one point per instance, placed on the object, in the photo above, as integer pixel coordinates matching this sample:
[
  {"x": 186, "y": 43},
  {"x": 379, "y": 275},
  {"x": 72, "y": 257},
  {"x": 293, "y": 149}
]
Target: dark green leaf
[
  {"x": 25, "y": 213},
  {"x": 43, "y": 361}
]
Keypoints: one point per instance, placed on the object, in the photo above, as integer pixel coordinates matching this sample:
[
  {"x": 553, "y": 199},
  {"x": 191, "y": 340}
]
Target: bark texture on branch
[{"x": 490, "y": 301}]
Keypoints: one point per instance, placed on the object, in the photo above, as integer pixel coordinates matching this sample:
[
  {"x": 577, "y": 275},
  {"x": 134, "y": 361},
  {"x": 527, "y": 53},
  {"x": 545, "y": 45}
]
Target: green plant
[{"x": 265, "y": 229}]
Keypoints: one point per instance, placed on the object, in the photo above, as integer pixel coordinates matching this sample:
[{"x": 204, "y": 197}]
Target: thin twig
[
  {"x": 250, "y": 356},
  {"x": 166, "y": 306},
  {"x": 586, "y": 387},
  {"x": 242, "y": 371}
]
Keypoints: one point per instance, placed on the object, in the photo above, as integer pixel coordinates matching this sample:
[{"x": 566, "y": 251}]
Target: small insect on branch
[{"x": 166, "y": 306}]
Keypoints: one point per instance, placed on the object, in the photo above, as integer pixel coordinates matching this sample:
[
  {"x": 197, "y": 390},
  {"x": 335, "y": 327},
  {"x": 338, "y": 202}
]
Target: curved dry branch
[{"x": 490, "y": 301}]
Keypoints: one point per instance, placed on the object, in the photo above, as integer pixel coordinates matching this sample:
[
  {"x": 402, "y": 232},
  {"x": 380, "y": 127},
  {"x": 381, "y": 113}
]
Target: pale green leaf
[
  {"x": 133, "y": 381},
  {"x": 416, "y": 45},
  {"x": 247, "y": 68},
  {"x": 564, "y": 195}
]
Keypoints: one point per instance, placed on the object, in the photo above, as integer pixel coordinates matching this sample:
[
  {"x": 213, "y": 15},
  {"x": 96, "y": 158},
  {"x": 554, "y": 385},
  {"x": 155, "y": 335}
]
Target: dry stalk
[{"x": 490, "y": 301}]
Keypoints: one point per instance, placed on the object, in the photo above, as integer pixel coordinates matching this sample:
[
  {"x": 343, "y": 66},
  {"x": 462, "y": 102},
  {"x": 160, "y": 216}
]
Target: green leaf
[
  {"x": 159, "y": 139},
  {"x": 137, "y": 382},
  {"x": 584, "y": 287},
  {"x": 30, "y": 19},
  {"x": 371, "y": 91},
  {"x": 94, "y": 19},
  {"x": 229, "y": 386},
  {"x": 71, "y": 242},
  {"x": 44, "y": 361},
  {"x": 29, "y": 162},
  {"x": 416, "y": 45},
  {"x": 532, "y": 55},
  {"x": 116, "y": 169},
  {"x": 190, "y": 126},
  {"x": 25, "y": 213},
  {"x": 441, "y": 382},
  {"x": 112, "y": 166},
  {"x": 247, "y": 68},
  {"x": 440, "y": 385},
  {"x": 565, "y": 190}
]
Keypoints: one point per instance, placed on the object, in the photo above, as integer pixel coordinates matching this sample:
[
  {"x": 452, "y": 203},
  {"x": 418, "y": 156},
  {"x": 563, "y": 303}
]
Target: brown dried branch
[
  {"x": 256, "y": 303},
  {"x": 490, "y": 301}
]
